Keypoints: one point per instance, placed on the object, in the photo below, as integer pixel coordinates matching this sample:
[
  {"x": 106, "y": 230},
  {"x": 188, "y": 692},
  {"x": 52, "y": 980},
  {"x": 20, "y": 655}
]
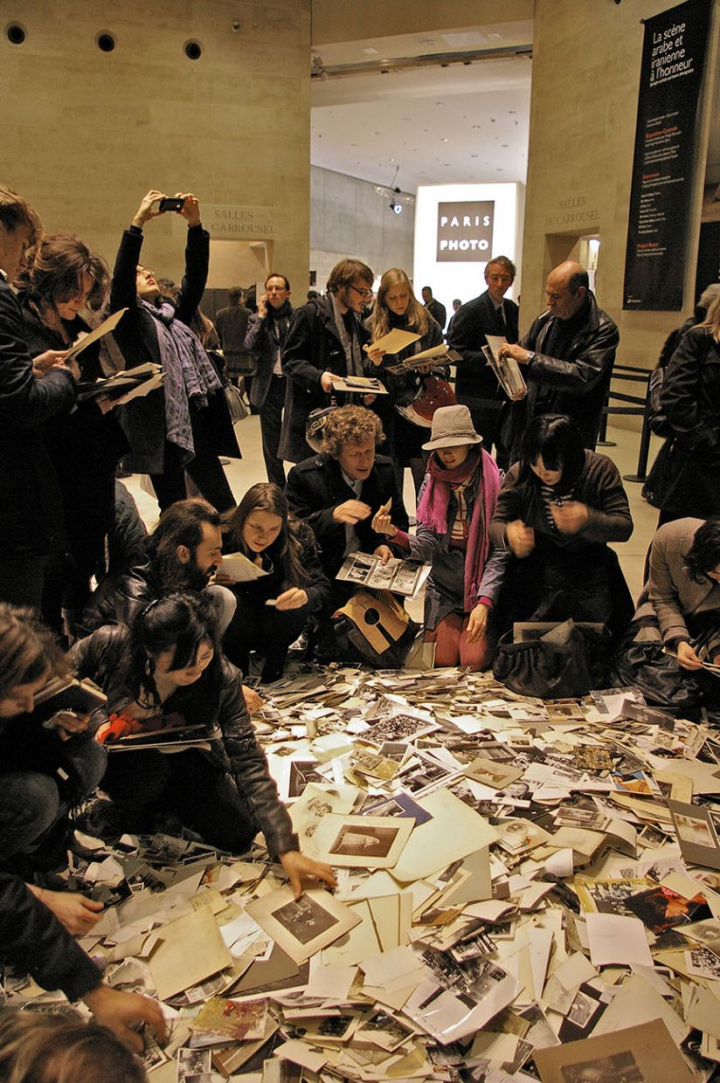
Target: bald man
[{"x": 566, "y": 358}]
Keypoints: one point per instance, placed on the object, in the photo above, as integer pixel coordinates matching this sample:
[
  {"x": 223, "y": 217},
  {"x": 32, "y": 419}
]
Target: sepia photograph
[
  {"x": 617, "y": 1068},
  {"x": 362, "y": 841},
  {"x": 304, "y": 919}
]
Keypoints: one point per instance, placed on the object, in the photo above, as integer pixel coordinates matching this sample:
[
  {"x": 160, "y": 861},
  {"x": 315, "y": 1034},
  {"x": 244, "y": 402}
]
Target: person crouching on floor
[{"x": 272, "y": 610}]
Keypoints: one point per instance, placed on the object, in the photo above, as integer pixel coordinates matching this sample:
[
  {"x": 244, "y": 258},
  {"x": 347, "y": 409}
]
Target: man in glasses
[{"x": 325, "y": 339}]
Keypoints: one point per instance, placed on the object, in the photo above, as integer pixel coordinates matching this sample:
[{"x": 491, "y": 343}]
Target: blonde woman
[{"x": 397, "y": 307}]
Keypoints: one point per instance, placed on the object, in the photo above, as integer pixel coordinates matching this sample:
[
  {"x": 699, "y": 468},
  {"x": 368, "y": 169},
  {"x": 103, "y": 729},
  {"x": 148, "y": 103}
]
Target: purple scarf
[
  {"x": 189, "y": 375},
  {"x": 433, "y": 511}
]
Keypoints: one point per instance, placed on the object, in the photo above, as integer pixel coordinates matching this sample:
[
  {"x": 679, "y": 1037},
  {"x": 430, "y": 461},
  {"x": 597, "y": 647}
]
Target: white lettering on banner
[{"x": 465, "y": 230}]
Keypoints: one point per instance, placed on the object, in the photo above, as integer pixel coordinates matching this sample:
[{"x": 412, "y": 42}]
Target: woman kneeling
[{"x": 167, "y": 671}]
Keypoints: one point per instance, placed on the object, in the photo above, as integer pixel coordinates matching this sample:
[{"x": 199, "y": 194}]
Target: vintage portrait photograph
[
  {"x": 371, "y": 842},
  {"x": 304, "y": 919}
]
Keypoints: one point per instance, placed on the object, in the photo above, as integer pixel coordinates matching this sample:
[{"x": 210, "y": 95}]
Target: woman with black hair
[
  {"x": 167, "y": 672},
  {"x": 274, "y": 603},
  {"x": 678, "y": 609},
  {"x": 62, "y": 278},
  {"x": 558, "y": 508}
]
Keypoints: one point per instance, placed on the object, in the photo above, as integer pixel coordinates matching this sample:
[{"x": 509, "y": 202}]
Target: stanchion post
[{"x": 644, "y": 441}]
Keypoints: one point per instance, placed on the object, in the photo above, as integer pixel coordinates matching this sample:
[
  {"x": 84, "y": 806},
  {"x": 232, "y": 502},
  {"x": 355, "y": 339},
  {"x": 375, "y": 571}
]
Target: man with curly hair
[{"x": 340, "y": 490}]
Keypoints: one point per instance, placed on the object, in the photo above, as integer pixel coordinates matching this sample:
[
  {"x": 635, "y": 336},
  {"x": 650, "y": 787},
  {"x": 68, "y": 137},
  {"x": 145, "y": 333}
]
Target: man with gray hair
[{"x": 566, "y": 358}]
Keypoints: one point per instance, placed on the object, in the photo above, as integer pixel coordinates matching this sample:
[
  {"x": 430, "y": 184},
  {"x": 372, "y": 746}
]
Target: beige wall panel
[
  {"x": 86, "y": 133},
  {"x": 333, "y": 21},
  {"x": 582, "y": 130}
]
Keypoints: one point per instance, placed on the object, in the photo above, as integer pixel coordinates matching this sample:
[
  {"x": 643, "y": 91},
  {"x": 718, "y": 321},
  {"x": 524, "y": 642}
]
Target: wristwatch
[{"x": 530, "y": 356}]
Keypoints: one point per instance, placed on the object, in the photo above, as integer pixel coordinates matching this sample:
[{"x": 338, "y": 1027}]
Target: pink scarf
[{"x": 433, "y": 511}]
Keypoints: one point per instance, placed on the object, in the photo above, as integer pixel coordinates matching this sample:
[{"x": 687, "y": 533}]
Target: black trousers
[
  {"x": 205, "y": 470},
  {"x": 21, "y": 581},
  {"x": 270, "y": 427},
  {"x": 263, "y": 629},
  {"x": 188, "y": 784}
]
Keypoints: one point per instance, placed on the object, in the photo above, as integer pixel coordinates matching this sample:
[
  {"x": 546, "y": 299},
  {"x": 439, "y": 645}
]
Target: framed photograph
[
  {"x": 695, "y": 834},
  {"x": 301, "y": 927},
  {"x": 361, "y": 842},
  {"x": 641, "y": 1054}
]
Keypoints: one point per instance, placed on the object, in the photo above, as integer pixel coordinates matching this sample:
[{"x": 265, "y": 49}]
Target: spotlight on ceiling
[{"x": 396, "y": 207}]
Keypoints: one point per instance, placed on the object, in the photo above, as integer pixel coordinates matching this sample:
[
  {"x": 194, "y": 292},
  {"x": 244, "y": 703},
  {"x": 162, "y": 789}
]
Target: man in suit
[
  {"x": 434, "y": 307},
  {"x": 491, "y": 313},
  {"x": 339, "y": 491}
]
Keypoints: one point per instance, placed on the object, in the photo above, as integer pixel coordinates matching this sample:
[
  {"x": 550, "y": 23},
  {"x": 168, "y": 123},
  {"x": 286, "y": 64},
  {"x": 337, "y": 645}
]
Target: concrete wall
[
  {"x": 87, "y": 133},
  {"x": 333, "y": 21},
  {"x": 582, "y": 130},
  {"x": 349, "y": 218}
]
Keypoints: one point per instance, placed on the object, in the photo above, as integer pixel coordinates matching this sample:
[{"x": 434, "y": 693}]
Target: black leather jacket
[{"x": 233, "y": 746}]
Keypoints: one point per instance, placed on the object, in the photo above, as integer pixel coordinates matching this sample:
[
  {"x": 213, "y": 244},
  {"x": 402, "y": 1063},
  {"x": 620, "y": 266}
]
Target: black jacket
[
  {"x": 85, "y": 445},
  {"x": 119, "y": 598},
  {"x": 255, "y": 592},
  {"x": 29, "y": 494},
  {"x": 438, "y": 312},
  {"x": 259, "y": 342},
  {"x": 312, "y": 347},
  {"x": 234, "y": 747},
  {"x": 143, "y": 420},
  {"x": 575, "y": 385},
  {"x": 470, "y": 324},
  {"x": 316, "y": 487},
  {"x": 32, "y": 939}
]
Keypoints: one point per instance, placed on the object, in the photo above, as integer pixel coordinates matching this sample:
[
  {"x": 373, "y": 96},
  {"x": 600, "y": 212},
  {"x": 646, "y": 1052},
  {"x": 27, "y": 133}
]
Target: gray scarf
[
  {"x": 350, "y": 343},
  {"x": 189, "y": 376}
]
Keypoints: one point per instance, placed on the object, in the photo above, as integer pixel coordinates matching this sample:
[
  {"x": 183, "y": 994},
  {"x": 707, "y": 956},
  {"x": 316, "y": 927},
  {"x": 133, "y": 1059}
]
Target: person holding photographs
[
  {"x": 167, "y": 672},
  {"x": 46, "y": 769},
  {"x": 37, "y": 926},
  {"x": 32, "y": 390},
  {"x": 186, "y": 423},
  {"x": 337, "y": 492},
  {"x": 61, "y": 278},
  {"x": 678, "y": 609},
  {"x": 273, "y": 609},
  {"x": 397, "y": 307},
  {"x": 456, "y": 506},
  {"x": 558, "y": 509}
]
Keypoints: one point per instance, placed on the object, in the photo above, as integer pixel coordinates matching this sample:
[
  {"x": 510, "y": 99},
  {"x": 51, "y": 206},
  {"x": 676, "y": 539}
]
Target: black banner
[{"x": 670, "y": 77}]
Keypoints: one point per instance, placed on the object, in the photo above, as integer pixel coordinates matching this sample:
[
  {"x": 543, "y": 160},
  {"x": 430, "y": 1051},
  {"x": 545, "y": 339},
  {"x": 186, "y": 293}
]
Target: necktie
[{"x": 501, "y": 318}]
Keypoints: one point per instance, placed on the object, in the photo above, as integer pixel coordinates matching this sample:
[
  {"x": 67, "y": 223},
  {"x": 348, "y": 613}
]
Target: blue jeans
[{"x": 35, "y": 798}]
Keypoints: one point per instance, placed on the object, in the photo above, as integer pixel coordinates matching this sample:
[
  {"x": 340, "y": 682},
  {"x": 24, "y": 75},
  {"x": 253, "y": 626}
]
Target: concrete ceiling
[{"x": 449, "y": 107}]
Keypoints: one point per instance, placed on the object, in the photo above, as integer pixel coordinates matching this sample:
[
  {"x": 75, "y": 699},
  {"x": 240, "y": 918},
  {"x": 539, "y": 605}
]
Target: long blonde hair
[
  {"x": 712, "y": 320},
  {"x": 417, "y": 317}
]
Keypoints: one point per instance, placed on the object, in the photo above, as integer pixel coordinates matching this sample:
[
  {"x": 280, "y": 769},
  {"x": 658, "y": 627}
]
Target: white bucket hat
[{"x": 451, "y": 426}]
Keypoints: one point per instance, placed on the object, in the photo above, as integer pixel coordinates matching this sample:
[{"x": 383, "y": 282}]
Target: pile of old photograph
[{"x": 527, "y": 891}]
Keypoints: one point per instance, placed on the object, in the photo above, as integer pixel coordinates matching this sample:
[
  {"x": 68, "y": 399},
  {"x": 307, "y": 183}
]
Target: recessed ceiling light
[
  {"x": 445, "y": 140},
  {"x": 370, "y": 51},
  {"x": 493, "y": 35}
]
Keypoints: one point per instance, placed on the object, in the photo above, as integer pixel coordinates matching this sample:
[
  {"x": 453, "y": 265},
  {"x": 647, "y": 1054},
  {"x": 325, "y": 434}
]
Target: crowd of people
[{"x": 169, "y": 634}]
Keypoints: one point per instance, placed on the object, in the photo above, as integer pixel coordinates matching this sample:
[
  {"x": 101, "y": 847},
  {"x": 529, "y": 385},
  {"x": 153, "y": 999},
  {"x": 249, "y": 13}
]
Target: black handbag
[
  {"x": 554, "y": 670},
  {"x": 658, "y": 676}
]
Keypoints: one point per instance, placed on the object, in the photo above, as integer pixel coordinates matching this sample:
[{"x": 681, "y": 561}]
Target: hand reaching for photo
[{"x": 298, "y": 867}]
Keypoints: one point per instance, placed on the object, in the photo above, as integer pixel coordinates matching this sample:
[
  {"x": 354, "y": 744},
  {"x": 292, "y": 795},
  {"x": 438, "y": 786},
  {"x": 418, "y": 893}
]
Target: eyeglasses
[{"x": 365, "y": 294}]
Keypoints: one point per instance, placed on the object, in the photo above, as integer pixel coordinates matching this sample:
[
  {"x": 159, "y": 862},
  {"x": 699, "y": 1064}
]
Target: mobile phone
[{"x": 168, "y": 203}]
